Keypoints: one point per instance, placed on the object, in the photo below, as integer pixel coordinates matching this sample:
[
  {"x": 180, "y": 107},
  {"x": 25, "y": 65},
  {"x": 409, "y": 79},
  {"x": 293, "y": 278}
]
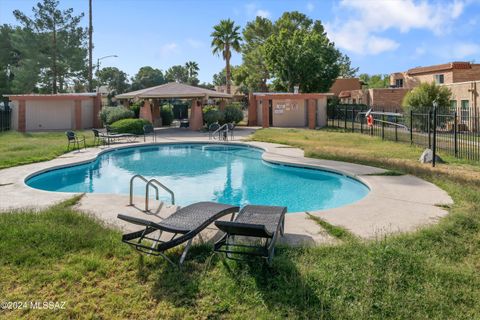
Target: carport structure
[{"x": 152, "y": 100}]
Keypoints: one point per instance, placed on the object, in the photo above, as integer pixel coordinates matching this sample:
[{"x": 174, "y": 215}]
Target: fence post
[
  {"x": 345, "y": 118},
  {"x": 455, "y": 133},
  {"x": 411, "y": 127},
  {"x": 383, "y": 124},
  {"x": 353, "y": 120},
  {"x": 396, "y": 126},
  {"x": 361, "y": 120},
  {"x": 434, "y": 134},
  {"x": 429, "y": 129}
]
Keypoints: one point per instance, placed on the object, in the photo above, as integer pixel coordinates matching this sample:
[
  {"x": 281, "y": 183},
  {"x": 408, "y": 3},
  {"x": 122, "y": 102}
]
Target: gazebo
[{"x": 172, "y": 90}]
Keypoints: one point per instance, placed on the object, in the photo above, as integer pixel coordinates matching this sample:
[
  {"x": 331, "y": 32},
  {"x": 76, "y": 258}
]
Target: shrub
[
  {"x": 109, "y": 115},
  {"x": 420, "y": 100},
  {"x": 167, "y": 114},
  {"x": 211, "y": 115},
  {"x": 233, "y": 113},
  {"x": 134, "y": 126},
  {"x": 135, "y": 107}
]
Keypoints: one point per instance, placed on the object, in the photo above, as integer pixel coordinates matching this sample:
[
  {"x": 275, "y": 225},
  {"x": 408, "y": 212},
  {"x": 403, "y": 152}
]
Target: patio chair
[
  {"x": 186, "y": 222},
  {"x": 262, "y": 223},
  {"x": 148, "y": 129},
  {"x": 98, "y": 138},
  {"x": 231, "y": 127},
  {"x": 74, "y": 139},
  {"x": 211, "y": 129}
]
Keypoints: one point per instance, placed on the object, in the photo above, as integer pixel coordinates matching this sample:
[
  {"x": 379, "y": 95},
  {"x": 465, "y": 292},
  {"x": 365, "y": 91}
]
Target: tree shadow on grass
[
  {"x": 178, "y": 285},
  {"x": 282, "y": 287}
]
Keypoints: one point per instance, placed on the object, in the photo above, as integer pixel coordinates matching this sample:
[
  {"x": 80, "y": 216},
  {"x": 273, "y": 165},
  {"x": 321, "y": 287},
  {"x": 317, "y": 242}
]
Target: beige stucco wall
[
  {"x": 322, "y": 112},
  {"x": 289, "y": 113},
  {"x": 87, "y": 114},
  {"x": 49, "y": 115},
  {"x": 259, "y": 113},
  {"x": 14, "y": 123}
]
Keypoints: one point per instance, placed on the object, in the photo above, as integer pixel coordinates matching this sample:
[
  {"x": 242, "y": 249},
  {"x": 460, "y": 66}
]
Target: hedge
[{"x": 134, "y": 126}]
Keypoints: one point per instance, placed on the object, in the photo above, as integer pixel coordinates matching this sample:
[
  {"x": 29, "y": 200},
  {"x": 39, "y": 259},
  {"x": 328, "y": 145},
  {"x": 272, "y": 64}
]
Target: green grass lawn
[
  {"x": 22, "y": 148},
  {"x": 66, "y": 256}
]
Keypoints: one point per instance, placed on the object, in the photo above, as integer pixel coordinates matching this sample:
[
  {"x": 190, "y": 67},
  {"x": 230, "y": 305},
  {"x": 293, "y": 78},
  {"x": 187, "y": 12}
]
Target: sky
[{"x": 379, "y": 36}]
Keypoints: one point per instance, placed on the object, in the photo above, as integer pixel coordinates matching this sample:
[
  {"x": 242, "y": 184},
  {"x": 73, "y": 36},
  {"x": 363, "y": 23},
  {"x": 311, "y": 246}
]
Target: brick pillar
[
  {"x": 265, "y": 113},
  {"x": 196, "y": 116},
  {"x": 252, "y": 110},
  {"x": 146, "y": 111},
  {"x": 78, "y": 114},
  {"x": 22, "y": 112},
  {"x": 222, "y": 105},
  {"x": 312, "y": 113},
  {"x": 97, "y": 106}
]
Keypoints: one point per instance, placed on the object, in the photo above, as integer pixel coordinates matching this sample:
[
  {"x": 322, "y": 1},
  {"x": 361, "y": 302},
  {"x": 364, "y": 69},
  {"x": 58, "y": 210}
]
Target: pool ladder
[{"x": 155, "y": 184}]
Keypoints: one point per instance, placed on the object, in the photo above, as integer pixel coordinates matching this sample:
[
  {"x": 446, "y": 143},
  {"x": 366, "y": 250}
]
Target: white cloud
[
  {"x": 464, "y": 50},
  {"x": 195, "y": 43},
  {"x": 262, "y": 13},
  {"x": 310, "y": 6},
  {"x": 252, "y": 10},
  {"x": 168, "y": 49},
  {"x": 365, "y": 20}
]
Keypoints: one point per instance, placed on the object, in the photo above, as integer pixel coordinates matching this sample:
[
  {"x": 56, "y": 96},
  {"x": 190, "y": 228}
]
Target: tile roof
[
  {"x": 440, "y": 67},
  {"x": 173, "y": 90}
]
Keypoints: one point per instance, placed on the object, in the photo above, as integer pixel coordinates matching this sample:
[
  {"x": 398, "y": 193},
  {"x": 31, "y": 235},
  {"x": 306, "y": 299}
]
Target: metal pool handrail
[
  {"x": 151, "y": 182},
  {"x": 144, "y": 180}
]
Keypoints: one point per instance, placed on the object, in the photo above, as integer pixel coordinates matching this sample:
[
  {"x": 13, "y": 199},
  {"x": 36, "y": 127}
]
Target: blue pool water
[{"x": 197, "y": 172}]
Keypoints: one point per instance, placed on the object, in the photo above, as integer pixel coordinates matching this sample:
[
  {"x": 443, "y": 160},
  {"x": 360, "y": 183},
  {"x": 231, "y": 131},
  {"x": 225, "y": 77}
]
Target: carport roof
[{"x": 173, "y": 90}]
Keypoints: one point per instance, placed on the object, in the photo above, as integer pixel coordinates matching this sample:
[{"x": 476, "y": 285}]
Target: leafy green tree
[
  {"x": 55, "y": 42},
  {"x": 225, "y": 38},
  {"x": 115, "y": 79},
  {"x": 375, "y": 80},
  {"x": 9, "y": 58},
  {"x": 299, "y": 53},
  {"x": 220, "y": 78},
  {"x": 253, "y": 72},
  {"x": 177, "y": 73},
  {"x": 346, "y": 69},
  {"x": 421, "y": 98},
  {"x": 147, "y": 77}
]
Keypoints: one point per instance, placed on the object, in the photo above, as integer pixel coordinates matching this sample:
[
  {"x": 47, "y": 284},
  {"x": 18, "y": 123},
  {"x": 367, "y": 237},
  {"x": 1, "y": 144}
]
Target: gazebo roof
[{"x": 173, "y": 90}]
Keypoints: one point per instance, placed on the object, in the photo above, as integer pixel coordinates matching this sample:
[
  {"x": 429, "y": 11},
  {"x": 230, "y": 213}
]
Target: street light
[{"x": 98, "y": 64}]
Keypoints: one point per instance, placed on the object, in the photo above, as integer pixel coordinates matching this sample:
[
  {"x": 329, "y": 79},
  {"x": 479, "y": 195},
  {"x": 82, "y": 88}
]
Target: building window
[
  {"x": 465, "y": 112},
  {"x": 399, "y": 83},
  {"x": 453, "y": 105},
  {"x": 439, "y": 78}
]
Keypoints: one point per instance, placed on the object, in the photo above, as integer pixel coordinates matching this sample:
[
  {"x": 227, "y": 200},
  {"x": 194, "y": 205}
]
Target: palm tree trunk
[
  {"x": 90, "y": 47},
  {"x": 227, "y": 67}
]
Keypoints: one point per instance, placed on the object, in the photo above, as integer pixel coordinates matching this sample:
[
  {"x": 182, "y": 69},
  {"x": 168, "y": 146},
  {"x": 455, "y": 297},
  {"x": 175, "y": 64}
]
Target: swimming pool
[{"x": 233, "y": 174}]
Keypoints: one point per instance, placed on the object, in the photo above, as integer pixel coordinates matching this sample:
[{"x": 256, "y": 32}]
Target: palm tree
[
  {"x": 226, "y": 37},
  {"x": 192, "y": 69}
]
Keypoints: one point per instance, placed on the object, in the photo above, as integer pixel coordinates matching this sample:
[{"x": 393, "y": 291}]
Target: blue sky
[{"x": 379, "y": 36}]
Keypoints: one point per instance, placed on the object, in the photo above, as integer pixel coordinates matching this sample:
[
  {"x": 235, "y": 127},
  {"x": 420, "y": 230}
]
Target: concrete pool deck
[{"x": 395, "y": 203}]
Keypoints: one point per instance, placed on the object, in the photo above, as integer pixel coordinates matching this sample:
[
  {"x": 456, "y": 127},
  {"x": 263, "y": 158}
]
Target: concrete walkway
[{"x": 394, "y": 204}]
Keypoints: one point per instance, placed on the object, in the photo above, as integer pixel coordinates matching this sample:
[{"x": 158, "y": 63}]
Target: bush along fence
[{"x": 453, "y": 133}]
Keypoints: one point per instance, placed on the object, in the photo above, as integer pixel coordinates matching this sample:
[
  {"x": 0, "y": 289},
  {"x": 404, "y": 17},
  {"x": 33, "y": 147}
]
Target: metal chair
[
  {"x": 75, "y": 140},
  {"x": 149, "y": 129}
]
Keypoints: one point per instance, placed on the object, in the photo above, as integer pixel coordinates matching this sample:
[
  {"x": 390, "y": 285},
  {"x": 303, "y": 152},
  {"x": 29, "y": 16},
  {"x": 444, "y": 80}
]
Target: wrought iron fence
[
  {"x": 450, "y": 133},
  {"x": 5, "y": 118}
]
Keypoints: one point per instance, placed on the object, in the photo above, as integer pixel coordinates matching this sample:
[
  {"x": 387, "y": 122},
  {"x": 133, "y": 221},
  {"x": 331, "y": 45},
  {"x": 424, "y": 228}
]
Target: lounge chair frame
[
  {"x": 228, "y": 244},
  {"x": 181, "y": 232}
]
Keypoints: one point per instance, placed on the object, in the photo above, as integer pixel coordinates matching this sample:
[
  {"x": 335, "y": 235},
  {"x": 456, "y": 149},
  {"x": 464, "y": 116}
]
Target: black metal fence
[
  {"x": 454, "y": 134},
  {"x": 5, "y": 119}
]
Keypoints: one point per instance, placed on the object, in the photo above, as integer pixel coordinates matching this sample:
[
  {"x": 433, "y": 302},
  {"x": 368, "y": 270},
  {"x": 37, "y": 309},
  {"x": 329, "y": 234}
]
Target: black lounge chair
[
  {"x": 260, "y": 222},
  {"x": 186, "y": 222},
  {"x": 112, "y": 136},
  {"x": 74, "y": 139}
]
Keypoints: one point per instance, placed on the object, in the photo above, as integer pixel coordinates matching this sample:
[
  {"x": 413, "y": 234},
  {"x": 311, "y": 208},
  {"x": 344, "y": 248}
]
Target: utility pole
[{"x": 90, "y": 47}]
